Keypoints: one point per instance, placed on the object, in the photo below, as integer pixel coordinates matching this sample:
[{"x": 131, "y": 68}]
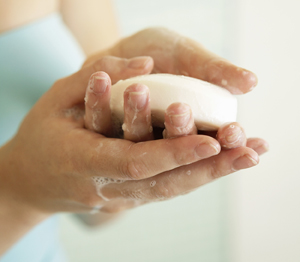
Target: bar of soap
[{"x": 212, "y": 105}]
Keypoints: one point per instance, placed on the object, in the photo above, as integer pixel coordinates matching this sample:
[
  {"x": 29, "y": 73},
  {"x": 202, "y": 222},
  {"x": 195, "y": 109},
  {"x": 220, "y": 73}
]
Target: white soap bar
[{"x": 212, "y": 105}]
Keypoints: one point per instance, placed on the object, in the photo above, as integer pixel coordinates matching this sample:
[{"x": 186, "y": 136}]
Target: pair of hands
[{"x": 58, "y": 155}]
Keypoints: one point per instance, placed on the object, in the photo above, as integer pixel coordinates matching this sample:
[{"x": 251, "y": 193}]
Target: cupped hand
[
  {"x": 53, "y": 162},
  {"x": 179, "y": 124},
  {"x": 176, "y": 54}
]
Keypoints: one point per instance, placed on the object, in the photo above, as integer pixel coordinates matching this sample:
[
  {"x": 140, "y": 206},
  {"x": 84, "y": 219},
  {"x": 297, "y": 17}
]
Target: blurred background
[{"x": 252, "y": 215}]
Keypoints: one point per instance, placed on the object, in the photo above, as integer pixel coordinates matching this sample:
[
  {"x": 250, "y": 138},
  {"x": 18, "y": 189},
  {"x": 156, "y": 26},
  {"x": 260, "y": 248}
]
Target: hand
[
  {"x": 53, "y": 161},
  {"x": 175, "y": 54},
  {"x": 178, "y": 122}
]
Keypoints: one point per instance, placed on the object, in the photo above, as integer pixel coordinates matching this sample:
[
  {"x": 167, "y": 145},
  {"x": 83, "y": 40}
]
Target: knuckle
[
  {"x": 88, "y": 195},
  {"x": 163, "y": 191},
  {"x": 183, "y": 158},
  {"x": 102, "y": 64},
  {"x": 133, "y": 169},
  {"x": 179, "y": 158},
  {"x": 135, "y": 195},
  {"x": 217, "y": 171},
  {"x": 91, "y": 200},
  {"x": 214, "y": 172}
]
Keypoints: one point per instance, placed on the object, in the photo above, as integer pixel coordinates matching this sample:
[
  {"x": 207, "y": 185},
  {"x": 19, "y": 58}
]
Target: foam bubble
[
  {"x": 94, "y": 122},
  {"x": 152, "y": 183},
  {"x": 76, "y": 112},
  {"x": 224, "y": 82},
  {"x": 124, "y": 128},
  {"x": 100, "y": 182},
  {"x": 95, "y": 209},
  {"x": 96, "y": 103}
]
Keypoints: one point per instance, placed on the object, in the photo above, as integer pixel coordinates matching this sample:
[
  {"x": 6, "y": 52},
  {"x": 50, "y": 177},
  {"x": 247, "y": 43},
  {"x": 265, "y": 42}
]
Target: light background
[
  {"x": 252, "y": 215},
  {"x": 269, "y": 195}
]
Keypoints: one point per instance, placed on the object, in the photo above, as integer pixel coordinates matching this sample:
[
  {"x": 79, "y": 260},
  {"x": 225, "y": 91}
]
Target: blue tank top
[{"x": 32, "y": 58}]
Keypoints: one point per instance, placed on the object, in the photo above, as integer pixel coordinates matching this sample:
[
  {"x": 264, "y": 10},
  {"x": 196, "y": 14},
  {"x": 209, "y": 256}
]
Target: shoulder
[{"x": 15, "y": 13}]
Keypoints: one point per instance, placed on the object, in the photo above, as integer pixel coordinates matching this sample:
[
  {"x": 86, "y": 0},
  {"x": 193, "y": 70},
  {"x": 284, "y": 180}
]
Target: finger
[
  {"x": 118, "y": 205},
  {"x": 200, "y": 63},
  {"x": 72, "y": 89},
  {"x": 260, "y": 146},
  {"x": 175, "y": 54},
  {"x": 183, "y": 179},
  {"x": 179, "y": 121},
  {"x": 97, "y": 104},
  {"x": 120, "y": 68},
  {"x": 126, "y": 160},
  {"x": 231, "y": 135},
  {"x": 137, "y": 125}
]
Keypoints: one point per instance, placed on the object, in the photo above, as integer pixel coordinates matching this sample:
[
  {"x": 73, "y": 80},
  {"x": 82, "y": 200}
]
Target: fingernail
[
  {"x": 261, "y": 149},
  {"x": 100, "y": 84},
  {"x": 250, "y": 77},
  {"x": 235, "y": 134},
  {"x": 206, "y": 150},
  {"x": 180, "y": 120},
  {"x": 137, "y": 100},
  {"x": 244, "y": 161},
  {"x": 138, "y": 62}
]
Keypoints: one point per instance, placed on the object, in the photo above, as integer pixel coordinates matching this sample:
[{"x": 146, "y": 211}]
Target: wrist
[
  {"x": 15, "y": 221},
  {"x": 16, "y": 216}
]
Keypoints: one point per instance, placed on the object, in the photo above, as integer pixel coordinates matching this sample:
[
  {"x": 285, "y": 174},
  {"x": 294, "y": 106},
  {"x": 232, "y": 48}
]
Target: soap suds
[
  {"x": 100, "y": 182},
  {"x": 76, "y": 112},
  {"x": 134, "y": 117},
  {"x": 124, "y": 128},
  {"x": 224, "y": 82},
  {"x": 94, "y": 122},
  {"x": 95, "y": 209},
  {"x": 96, "y": 103},
  {"x": 152, "y": 183}
]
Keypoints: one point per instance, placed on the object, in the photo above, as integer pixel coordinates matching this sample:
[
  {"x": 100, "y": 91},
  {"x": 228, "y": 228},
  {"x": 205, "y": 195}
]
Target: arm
[
  {"x": 48, "y": 170},
  {"x": 16, "y": 217},
  {"x": 93, "y": 23}
]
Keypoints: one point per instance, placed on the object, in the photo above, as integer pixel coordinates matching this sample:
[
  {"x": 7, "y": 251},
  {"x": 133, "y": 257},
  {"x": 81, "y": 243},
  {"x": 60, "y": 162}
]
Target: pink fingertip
[
  {"x": 100, "y": 85},
  {"x": 245, "y": 161},
  {"x": 178, "y": 108}
]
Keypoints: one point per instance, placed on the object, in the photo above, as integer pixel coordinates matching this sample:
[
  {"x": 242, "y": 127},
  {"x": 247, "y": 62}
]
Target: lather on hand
[
  {"x": 175, "y": 54},
  {"x": 50, "y": 164},
  {"x": 137, "y": 119}
]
